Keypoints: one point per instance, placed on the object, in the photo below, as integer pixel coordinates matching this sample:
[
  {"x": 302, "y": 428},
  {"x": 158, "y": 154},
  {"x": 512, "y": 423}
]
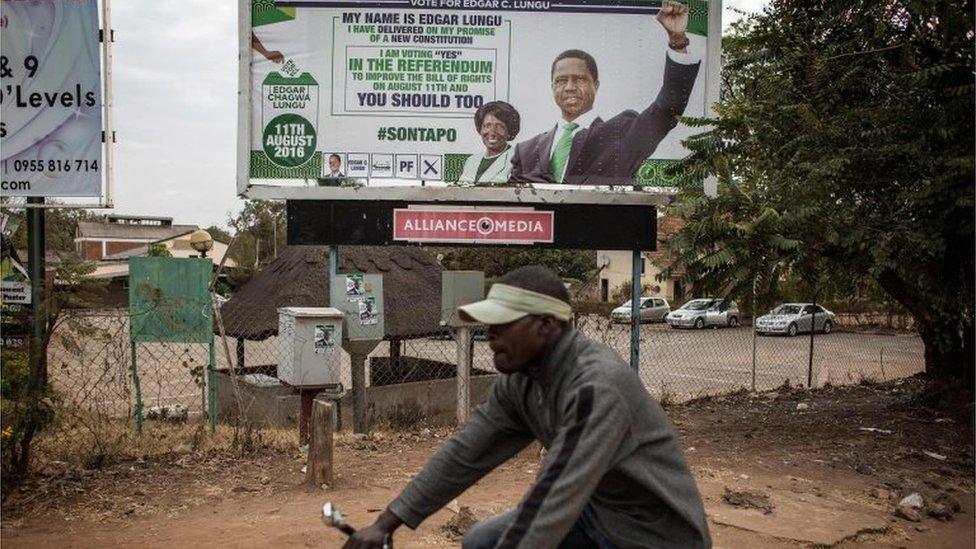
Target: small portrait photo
[
  {"x": 367, "y": 311},
  {"x": 355, "y": 287},
  {"x": 324, "y": 337}
]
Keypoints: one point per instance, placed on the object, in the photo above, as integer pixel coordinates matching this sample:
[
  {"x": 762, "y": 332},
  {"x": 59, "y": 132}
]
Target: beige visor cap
[{"x": 506, "y": 304}]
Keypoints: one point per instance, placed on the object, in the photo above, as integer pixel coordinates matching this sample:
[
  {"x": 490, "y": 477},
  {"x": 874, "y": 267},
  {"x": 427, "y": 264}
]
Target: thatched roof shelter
[{"x": 299, "y": 277}]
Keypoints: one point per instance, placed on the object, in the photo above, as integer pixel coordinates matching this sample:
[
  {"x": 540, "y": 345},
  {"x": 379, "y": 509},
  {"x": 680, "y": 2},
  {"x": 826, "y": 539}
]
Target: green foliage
[
  {"x": 219, "y": 234},
  {"x": 74, "y": 289},
  {"x": 59, "y": 228},
  {"x": 157, "y": 249},
  {"x": 261, "y": 230},
  {"x": 575, "y": 264},
  {"x": 260, "y": 233},
  {"x": 14, "y": 368},
  {"x": 844, "y": 153},
  {"x": 25, "y": 412},
  {"x": 623, "y": 292},
  {"x": 21, "y": 416}
]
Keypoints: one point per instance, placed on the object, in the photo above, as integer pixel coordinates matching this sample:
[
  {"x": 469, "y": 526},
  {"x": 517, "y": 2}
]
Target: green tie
[{"x": 560, "y": 155}]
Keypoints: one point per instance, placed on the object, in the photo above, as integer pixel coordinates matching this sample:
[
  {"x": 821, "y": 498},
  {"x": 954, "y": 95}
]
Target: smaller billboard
[
  {"x": 51, "y": 99},
  {"x": 169, "y": 299}
]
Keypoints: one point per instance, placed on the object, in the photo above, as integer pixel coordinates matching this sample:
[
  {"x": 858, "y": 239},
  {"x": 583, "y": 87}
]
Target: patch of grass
[
  {"x": 91, "y": 441},
  {"x": 667, "y": 397}
]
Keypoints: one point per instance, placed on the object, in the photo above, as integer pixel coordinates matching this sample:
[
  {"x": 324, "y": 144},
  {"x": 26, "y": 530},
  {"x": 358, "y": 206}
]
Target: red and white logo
[{"x": 498, "y": 226}]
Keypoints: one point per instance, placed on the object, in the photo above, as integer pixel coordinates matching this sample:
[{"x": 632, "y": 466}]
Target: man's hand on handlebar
[{"x": 377, "y": 535}]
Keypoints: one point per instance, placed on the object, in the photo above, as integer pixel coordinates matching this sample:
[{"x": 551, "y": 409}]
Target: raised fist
[{"x": 674, "y": 18}]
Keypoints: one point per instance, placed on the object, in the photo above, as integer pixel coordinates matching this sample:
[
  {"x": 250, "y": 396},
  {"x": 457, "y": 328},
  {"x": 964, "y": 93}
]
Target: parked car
[
  {"x": 708, "y": 311},
  {"x": 652, "y": 309},
  {"x": 795, "y": 318}
]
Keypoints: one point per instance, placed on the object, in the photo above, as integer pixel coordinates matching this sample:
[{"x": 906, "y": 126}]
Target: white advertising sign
[
  {"x": 505, "y": 93},
  {"x": 50, "y": 91}
]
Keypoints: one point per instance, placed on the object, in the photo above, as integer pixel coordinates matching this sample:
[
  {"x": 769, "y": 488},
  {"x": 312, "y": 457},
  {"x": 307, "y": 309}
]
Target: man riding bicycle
[{"x": 613, "y": 476}]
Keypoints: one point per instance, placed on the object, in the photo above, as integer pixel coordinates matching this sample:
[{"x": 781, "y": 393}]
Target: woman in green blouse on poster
[{"x": 497, "y": 123}]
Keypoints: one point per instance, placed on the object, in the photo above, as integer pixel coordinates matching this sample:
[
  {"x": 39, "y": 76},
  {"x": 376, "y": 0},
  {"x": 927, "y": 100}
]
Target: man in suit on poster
[{"x": 582, "y": 148}]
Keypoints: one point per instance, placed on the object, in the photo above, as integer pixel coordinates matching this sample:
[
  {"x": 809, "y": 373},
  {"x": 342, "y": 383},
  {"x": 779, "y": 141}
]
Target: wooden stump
[{"x": 318, "y": 470}]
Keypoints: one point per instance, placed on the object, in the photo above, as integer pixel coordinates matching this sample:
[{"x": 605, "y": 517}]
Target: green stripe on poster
[
  {"x": 453, "y": 166},
  {"x": 264, "y": 12},
  {"x": 698, "y": 17},
  {"x": 263, "y": 168}
]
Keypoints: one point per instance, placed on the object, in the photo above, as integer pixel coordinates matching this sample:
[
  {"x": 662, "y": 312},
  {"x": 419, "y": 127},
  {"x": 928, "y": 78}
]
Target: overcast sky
[{"x": 175, "y": 93}]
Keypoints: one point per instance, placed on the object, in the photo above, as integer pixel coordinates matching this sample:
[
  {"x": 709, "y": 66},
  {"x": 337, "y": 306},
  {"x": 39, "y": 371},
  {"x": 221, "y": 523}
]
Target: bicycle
[{"x": 334, "y": 518}]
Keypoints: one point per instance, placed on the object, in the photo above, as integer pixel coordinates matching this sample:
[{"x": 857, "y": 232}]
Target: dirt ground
[{"x": 779, "y": 469}]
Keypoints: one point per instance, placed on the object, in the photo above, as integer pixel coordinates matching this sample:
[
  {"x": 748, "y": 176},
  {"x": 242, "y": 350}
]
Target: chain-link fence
[
  {"x": 679, "y": 364},
  {"x": 406, "y": 380},
  {"x": 108, "y": 398}
]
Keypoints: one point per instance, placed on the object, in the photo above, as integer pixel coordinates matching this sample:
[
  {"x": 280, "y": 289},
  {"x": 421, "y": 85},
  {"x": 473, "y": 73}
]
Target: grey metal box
[
  {"x": 309, "y": 345},
  {"x": 363, "y": 306},
  {"x": 459, "y": 288}
]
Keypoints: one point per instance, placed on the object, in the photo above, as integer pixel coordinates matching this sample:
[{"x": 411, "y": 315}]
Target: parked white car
[
  {"x": 795, "y": 318},
  {"x": 709, "y": 311},
  {"x": 652, "y": 309}
]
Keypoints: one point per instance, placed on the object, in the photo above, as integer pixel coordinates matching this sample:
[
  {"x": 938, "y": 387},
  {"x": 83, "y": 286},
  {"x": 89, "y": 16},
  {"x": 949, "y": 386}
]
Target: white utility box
[{"x": 309, "y": 345}]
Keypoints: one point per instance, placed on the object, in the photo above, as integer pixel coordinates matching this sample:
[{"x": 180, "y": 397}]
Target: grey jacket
[{"x": 611, "y": 454}]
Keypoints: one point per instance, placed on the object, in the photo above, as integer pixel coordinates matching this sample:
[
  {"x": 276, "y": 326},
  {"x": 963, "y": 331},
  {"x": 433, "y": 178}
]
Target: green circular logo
[{"x": 289, "y": 140}]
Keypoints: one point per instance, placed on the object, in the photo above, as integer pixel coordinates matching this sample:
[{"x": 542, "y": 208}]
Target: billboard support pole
[
  {"x": 107, "y": 119},
  {"x": 635, "y": 294},
  {"x": 36, "y": 272},
  {"x": 713, "y": 76},
  {"x": 243, "y": 94}
]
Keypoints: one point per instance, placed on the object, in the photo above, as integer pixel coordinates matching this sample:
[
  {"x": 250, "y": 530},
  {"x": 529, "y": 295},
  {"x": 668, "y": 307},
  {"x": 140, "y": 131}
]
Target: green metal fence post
[
  {"x": 212, "y": 389},
  {"x": 135, "y": 383},
  {"x": 635, "y": 295}
]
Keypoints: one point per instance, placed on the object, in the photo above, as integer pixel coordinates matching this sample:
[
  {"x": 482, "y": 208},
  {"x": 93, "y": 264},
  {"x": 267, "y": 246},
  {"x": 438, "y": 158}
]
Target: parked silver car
[
  {"x": 708, "y": 311},
  {"x": 795, "y": 318},
  {"x": 652, "y": 309}
]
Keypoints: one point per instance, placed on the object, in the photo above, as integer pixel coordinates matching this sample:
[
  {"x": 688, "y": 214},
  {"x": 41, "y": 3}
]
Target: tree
[
  {"x": 219, "y": 234},
  {"x": 59, "y": 227},
  {"x": 843, "y": 148},
  {"x": 158, "y": 249},
  {"x": 574, "y": 264},
  {"x": 624, "y": 292},
  {"x": 261, "y": 232}
]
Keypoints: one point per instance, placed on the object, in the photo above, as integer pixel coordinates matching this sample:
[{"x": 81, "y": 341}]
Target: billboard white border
[{"x": 439, "y": 192}]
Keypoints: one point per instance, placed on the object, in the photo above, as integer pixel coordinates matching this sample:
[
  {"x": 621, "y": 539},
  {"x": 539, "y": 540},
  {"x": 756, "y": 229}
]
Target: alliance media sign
[{"x": 473, "y": 226}]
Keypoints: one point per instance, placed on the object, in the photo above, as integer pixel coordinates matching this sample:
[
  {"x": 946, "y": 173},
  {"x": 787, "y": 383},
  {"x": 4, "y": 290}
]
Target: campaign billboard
[
  {"x": 353, "y": 94},
  {"x": 51, "y": 99}
]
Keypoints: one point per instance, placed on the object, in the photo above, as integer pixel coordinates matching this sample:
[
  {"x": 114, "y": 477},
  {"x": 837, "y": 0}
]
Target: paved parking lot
[{"x": 688, "y": 363}]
